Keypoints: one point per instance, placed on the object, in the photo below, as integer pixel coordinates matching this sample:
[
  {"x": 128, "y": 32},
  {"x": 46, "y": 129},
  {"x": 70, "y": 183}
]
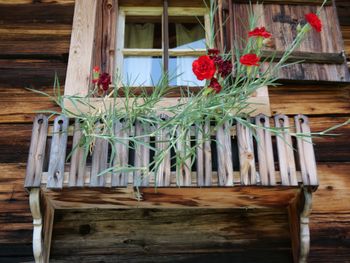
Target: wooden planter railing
[{"x": 232, "y": 170}]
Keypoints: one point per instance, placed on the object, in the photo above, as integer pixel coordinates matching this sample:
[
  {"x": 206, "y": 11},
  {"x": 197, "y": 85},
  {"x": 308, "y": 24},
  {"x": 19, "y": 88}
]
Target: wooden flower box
[{"x": 230, "y": 171}]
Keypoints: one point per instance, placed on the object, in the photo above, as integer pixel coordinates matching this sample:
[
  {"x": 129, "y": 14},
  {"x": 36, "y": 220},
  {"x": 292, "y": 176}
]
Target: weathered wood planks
[
  {"x": 162, "y": 144},
  {"x": 99, "y": 160},
  {"x": 204, "y": 155},
  {"x": 58, "y": 152},
  {"x": 36, "y": 152},
  {"x": 151, "y": 154},
  {"x": 306, "y": 153},
  {"x": 246, "y": 155},
  {"x": 142, "y": 154},
  {"x": 78, "y": 159},
  {"x": 223, "y": 145},
  {"x": 285, "y": 151},
  {"x": 121, "y": 158},
  {"x": 265, "y": 151},
  {"x": 322, "y": 54},
  {"x": 81, "y": 48}
]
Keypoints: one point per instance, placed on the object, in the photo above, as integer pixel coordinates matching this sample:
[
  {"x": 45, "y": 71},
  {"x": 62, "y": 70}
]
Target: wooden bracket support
[
  {"x": 299, "y": 212},
  {"x": 304, "y": 226},
  {"x": 43, "y": 215}
]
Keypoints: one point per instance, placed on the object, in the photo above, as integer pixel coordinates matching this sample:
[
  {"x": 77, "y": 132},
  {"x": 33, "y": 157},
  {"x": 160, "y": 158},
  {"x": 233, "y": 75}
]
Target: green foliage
[{"x": 193, "y": 110}]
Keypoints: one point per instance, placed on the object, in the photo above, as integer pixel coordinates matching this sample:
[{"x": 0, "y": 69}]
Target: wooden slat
[
  {"x": 246, "y": 155},
  {"x": 36, "y": 152},
  {"x": 285, "y": 151},
  {"x": 142, "y": 154},
  {"x": 58, "y": 152},
  {"x": 81, "y": 48},
  {"x": 204, "y": 160},
  {"x": 306, "y": 152},
  {"x": 164, "y": 169},
  {"x": 78, "y": 160},
  {"x": 121, "y": 157},
  {"x": 265, "y": 151},
  {"x": 183, "y": 159},
  {"x": 99, "y": 161},
  {"x": 224, "y": 155}
]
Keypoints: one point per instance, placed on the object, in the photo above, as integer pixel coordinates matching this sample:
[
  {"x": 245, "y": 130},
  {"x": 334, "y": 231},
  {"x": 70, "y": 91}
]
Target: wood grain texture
[
  {"x": 246, "y": 155},
  {"x": 285, "y": 151},
  {"x": 183, "y": 158},
  {"x": 285, "y": 18},
  {"x": 265, "y": 151},
  {"x": 78, "y": 158},
  {"x": 81, "y": 48},
  {"x": 327, "y": 232},
  {"x": 99, "y": 160},
  {"x": 142, "y": 154},
  {"x": 58, "y": 152},
  {"x": 328, "y": 105},
  {"x": 234, "y": 197},
  {"x": 224, "y": 155},
  {"x": 36, "y": 151},
  {"x": 306, "y": 153},
  {"x": 163, "y": 174},
  {"x": 204, "y": 155},
  {"x": 121, "y": 158}
]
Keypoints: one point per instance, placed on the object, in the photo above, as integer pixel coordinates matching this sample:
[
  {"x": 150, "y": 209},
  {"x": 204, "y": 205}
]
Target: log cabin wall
[{"x": 34, "y": 44}]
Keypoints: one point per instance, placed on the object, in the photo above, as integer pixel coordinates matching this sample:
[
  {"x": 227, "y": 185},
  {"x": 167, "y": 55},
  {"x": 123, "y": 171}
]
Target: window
[{"x": 157, "y": 39}]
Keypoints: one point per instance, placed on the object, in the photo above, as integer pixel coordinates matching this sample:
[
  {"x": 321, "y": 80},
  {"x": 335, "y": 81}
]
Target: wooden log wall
[{"x": 34, "y": 43}]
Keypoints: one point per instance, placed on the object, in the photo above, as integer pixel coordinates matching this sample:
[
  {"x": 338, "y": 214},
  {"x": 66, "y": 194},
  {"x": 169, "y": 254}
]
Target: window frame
[
  {"x": 165, "y": 52},
  {"x": 94, "y": 38}
]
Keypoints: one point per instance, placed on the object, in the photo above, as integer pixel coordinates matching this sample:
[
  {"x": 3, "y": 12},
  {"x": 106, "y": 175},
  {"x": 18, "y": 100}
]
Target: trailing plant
[{"x": 223, "y": 99}]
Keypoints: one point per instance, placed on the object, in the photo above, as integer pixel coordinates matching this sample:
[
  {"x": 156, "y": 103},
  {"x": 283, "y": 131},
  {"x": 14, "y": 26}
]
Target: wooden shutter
[{"x": 322, "y": 53}]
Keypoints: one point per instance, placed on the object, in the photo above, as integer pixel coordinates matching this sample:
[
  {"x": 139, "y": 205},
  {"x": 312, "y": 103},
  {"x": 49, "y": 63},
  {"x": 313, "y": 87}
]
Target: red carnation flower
[
  {"x": 225, "y": 68},
  {"x": 259, "y": 32},
  {"x": 215, "y": 85},
  {"x": 217, "y": 60},
  {"x": 249, "y": 60},
  {"x": 314, "y": 21},
  {"x": 204, "y": 68},
  {"x": 104, "y": 81}
]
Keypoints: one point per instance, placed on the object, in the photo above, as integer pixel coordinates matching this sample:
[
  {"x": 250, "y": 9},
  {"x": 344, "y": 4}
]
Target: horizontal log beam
[
  {"x": 307, "y": 57},
  {"x": 287, "y": 2},
  {"x": 235, "y": 197}
]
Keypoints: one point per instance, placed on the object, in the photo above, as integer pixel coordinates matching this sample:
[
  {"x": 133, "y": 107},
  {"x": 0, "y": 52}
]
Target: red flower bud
[
  {"x": 259, "y": 32},
  {"x": 215, "y": 85},
  {"x": 95, "y": 74},
  {"x": 314, "y": 21},
  {"x": 250, "y": 60}
]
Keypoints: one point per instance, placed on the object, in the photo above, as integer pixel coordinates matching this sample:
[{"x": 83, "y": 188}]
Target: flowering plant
[{"x": 224, "y": 99}]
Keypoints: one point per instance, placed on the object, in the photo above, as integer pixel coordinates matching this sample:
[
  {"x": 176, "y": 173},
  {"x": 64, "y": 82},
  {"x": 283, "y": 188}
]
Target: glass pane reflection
[
  {"x": 142, "y": 71},
  {"x": 181, "y": 74}
]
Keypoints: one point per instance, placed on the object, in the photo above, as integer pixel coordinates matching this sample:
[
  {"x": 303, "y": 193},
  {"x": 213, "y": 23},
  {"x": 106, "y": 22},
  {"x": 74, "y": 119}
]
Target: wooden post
[{"x": 299, "y": 212}]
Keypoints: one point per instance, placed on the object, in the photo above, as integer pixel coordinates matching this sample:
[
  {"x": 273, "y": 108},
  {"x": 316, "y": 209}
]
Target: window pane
[
  {"x": 180, "y": 72},
  {"x": 143, "y": 32},
  {"x": 142, "y": 71},
  {"x": 186, "y": 33}
]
